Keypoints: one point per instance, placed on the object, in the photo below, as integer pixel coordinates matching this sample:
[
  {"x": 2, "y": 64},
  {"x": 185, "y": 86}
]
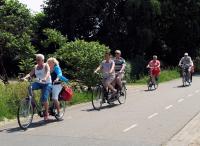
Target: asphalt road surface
[{"x": 148, "y": 118}]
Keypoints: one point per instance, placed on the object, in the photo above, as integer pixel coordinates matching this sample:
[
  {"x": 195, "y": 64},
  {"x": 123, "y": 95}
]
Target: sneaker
[{"x": 58, "y": 115}]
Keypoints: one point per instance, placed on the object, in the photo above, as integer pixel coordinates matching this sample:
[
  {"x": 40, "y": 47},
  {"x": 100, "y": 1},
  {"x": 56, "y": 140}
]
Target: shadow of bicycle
[
  {"x": 32, "y": 126},
  {"x": 104, "y": 107}
]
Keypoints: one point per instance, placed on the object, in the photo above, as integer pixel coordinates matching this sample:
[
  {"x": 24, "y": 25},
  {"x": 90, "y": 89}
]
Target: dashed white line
[
  {"x": 190, "y": 95},
  {"x": 129, "y": 128},
  {"x": 168, "y": 107},
  {"x": 181, "y": 100},
  {"x": 197, "y": 91},
  {"x": 153, "y": 115}
]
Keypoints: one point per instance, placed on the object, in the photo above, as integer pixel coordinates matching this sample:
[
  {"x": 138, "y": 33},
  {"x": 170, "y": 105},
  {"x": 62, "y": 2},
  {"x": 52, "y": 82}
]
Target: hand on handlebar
[{"x": 23, "y": 79}]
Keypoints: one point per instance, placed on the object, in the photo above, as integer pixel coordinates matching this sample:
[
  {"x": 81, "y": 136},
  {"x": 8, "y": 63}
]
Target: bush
[
  {"x": 197, "y": 64},
  {"x": 128, "y": 73},
  {"x": 81, "y": 58}
]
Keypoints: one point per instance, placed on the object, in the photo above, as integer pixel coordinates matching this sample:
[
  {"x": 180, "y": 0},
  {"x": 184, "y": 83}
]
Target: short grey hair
[
  {"x": 40, "y": 56},
  {"x": 154, "y": 56}
]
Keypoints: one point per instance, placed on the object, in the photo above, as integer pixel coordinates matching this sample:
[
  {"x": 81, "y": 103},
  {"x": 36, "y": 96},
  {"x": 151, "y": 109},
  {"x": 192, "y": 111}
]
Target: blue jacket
[{"x": 57, "y": 72}]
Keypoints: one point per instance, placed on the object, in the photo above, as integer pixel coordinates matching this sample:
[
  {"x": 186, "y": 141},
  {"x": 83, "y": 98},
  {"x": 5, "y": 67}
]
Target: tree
[
  {"x": 15, "y": 35},
  {"x": 80, "y": 59}
]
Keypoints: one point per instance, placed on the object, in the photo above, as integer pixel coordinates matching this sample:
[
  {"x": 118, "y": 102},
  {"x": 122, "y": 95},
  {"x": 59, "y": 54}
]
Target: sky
[{"x": 33, "y": 5}]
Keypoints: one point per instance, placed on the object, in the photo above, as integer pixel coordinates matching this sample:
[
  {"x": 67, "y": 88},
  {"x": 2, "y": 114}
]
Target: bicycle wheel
[
  {"x": 63, "y": 105},
  {"x": 149, "y": 84},
  {"x": 25, "y": 113},
  {"x": 184, "y": 79},
  {"x": 97, "y": 97},
  {"x": 122, "y": 96}
]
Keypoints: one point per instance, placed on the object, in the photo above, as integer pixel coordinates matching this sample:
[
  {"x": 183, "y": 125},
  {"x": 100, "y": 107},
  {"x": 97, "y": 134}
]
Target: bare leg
[
  {"x": 57, "y": 105},
  {"x": 46, "y": 107}
]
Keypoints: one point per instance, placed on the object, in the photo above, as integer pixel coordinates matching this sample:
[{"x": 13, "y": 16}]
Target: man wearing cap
[
  {"x": 154, "y": 66},
  {"x": 120, "y": 65},
  {"x": 187, "y": 61}
]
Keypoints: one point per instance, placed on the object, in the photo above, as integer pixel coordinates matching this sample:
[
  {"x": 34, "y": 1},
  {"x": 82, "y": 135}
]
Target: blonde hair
[{"x": 54, "y": 60}]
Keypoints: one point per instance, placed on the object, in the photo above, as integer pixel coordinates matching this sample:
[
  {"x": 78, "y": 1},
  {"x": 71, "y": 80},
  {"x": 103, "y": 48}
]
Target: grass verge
[
  {"x": 11, "y": 94},
  {"x": 166, "y": 75}
]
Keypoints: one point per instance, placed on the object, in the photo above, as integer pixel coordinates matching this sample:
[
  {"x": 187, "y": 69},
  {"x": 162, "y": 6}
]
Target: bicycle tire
[
  {"x": 184, "y": 79},
  {"x": 122, "y": 97},
  {"x": 63, "y": 105},
  {"x": 97, "y": 97},
  {"x": 25, "y": 111}
]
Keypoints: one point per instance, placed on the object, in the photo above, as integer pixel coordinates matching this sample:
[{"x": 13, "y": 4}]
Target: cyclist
[
  {"x": 154, "y": 66},
  {"x": 108, "y": 68},
  {"x": 187, "y": 61},
  {"x": 57, "y": 79},
  {"x": 120, "y": 65},
  {"x": 43, "y": 81}
]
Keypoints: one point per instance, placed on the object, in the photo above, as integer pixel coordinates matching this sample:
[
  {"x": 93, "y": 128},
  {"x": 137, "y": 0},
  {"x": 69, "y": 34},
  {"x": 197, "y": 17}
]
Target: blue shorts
[{"x": 45, "y": 88}]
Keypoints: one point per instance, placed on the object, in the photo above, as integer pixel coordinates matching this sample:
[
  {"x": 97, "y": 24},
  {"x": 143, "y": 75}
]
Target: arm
[
  {"x": 180, "y": 62},
  {"x": 58, "y": 71},
  {"x": 112, "y": 68},
  {"x": 148, "y": 66},
  {"x": 98, "y": 68},
  {"x": 158, "y": 66},
  {"x": 191, "y": 62},
  {"x": 47, "y": 69},
  {"x": 30, "y": 74},
  {"x": 123, "y": 66}
]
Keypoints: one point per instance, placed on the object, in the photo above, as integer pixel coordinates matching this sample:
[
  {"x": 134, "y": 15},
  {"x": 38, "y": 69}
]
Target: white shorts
[{"x": 55, "y": 91}]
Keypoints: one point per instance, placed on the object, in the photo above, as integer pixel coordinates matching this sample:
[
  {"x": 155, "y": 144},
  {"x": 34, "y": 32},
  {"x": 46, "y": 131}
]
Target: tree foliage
[
  {"x": 15, "y": 34},
  {"x": 137, "y": 27},
  {"x": 81, "y": 58}
]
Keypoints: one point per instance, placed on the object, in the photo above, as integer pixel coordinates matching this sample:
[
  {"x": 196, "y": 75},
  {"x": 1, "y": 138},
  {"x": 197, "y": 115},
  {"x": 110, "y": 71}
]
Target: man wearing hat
[{"x": 187, "y": 61}]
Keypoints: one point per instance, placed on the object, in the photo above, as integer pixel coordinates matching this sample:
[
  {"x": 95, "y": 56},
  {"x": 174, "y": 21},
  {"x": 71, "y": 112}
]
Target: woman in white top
[{"x": 43, "y": 81}]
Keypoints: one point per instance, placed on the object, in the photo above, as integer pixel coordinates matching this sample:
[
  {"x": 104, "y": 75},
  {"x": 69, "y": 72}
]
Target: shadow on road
[
  {"x": 149, "y": 90},
  {"x": 33, "y": 125},
  {"x": 102, "y": 108},
  {"x": 181, "y": 86}
]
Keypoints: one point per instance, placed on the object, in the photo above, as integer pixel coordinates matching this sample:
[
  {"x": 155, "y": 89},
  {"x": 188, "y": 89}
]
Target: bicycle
[
  {"x": 29, "y": 106},
  {"x": 152, "y": 83},
  {"x": 186, "y": 77},
  {"x": 100, "y": 95}
]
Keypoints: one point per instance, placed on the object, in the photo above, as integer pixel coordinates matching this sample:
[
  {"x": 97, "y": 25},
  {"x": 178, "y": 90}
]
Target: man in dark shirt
[{"x": 119, "y": 68}]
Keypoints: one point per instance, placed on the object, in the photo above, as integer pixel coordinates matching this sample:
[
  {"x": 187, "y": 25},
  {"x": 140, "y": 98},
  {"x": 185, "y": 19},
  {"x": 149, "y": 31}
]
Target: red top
[{"x": 155, "y": 67}]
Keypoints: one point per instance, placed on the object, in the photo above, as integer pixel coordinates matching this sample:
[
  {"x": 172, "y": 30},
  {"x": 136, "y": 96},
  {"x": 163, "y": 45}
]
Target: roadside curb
[{"x": 189, "y": 135}]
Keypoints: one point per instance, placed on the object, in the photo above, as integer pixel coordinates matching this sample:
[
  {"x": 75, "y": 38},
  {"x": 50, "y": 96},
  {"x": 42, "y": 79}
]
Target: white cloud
[{"x": 33, "y": 5}]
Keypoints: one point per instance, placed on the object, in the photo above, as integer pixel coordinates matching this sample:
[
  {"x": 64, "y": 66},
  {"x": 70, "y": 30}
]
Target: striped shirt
[{"x": 119, "y": 63}]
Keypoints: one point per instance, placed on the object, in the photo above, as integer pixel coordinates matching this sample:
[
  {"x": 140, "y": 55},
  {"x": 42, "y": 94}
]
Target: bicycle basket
[{"x": 66, "y": 93}]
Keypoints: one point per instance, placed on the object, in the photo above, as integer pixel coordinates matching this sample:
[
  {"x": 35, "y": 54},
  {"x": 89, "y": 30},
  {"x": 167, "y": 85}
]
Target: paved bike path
[{"x": 146, "y": 119}]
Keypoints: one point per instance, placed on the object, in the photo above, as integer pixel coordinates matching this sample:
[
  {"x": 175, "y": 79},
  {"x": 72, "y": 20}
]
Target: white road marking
[
  {"x": 197, "y": 91},
  {"x": 168, "y": 107},
  {"x": 153, "y": 115},
  {"x": 190, "y": 95},
  {"x": 181, "y": 100},
  {"x": 129, "y": 128}
]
